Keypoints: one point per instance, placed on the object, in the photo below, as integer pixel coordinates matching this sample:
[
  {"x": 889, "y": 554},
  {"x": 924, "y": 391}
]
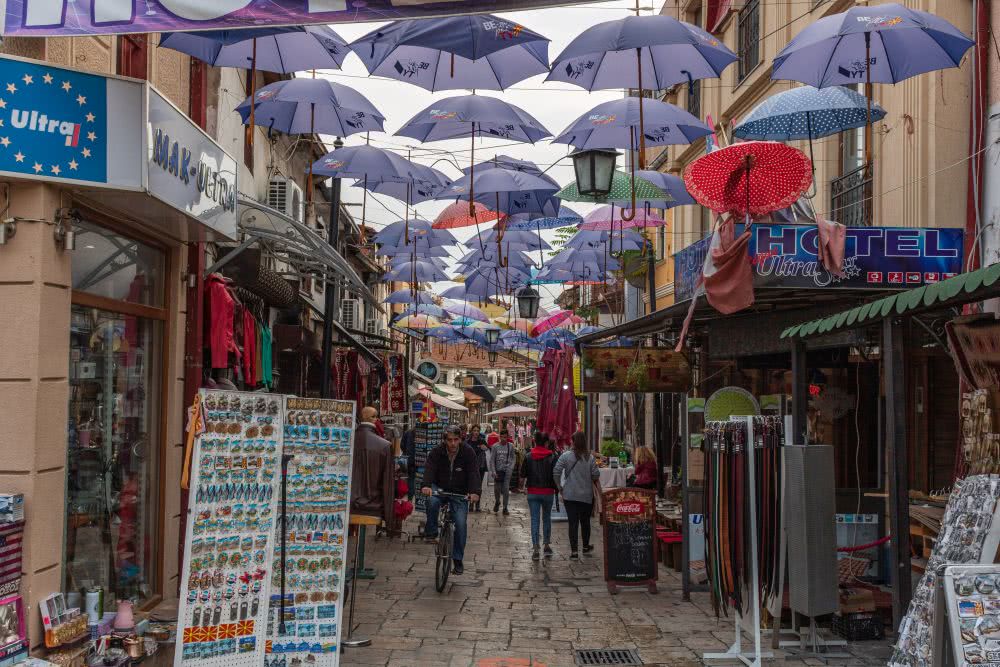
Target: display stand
[
  {"x": 735, "y": 651},
  {"x": 966, "y": 626},
  {"x": 360, "y": 522}
]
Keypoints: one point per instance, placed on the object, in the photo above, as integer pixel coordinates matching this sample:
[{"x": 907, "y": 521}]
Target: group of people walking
[{"x": 458, "y": 467}]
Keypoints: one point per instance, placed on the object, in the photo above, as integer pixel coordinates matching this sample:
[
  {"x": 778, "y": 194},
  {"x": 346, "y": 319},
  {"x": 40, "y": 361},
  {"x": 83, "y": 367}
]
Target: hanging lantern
[
  {"x": 492, "y": 335},
  {"x": 492, "y": 355},
  {"x": 528, "y": 301},
  {"x": 594, "y": 170}
]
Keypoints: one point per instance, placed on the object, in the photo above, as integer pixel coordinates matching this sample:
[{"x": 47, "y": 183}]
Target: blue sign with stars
[{"x": 53, "y": 122}]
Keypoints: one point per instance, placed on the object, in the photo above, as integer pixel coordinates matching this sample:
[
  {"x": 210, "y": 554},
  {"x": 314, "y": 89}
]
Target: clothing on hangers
[{"x": 221, "y": 309}]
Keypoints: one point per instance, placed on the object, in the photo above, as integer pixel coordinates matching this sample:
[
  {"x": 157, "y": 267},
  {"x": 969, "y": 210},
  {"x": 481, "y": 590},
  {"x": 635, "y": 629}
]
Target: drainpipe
[{"x": 974, "y": 249}]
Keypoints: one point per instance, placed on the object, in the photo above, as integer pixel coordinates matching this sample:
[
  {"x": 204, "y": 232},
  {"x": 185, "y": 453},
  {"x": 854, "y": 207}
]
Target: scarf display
[{"x": 728, "y": 546}]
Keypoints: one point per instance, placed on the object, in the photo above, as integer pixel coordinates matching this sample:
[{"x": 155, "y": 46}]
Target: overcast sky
[{"x": 555, "y": 105}]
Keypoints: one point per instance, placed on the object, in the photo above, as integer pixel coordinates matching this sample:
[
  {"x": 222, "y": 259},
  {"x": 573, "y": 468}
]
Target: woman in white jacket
[{"x": 577, "y": 490}]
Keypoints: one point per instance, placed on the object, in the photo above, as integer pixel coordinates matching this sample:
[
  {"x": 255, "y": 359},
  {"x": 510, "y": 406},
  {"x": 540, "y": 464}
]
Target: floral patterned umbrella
[{"x": 751, "y": 178}]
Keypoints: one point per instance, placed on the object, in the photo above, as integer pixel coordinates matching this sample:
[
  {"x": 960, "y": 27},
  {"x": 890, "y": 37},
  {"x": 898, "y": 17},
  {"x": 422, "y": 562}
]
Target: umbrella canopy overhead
[
  {"x": 615, "y": 124},
  {"x": 515, "y": 164},
  {"x": 751, "y": 178},
  {"x": 402, "y": 232},
  {"x": 300, "y": 106},
  {"x": 806, "y": 112},
  {"x": 555, "y": 319},
  {"x": 417, "y": 322},
  {"x": 282, "y": 50},
  {"x": 457, "y": 215},
  {"x": 426, "y": 309},
  {"x": 480, "y": 51},
  {"x": 621, "y": 190},
  {"x": 611, "y": 240},
  {"x": 610, "y": 217},
  {"x": 565, "y": 217},
  {"x": 672, "y": 185},
  {"x": 375, "y": 164},
  {"x": 473, "y": 115},
  {"x": 418, "y": 271},
  {"x": 604, "y": 57},
  {"x": 409, "y": 296},
  {"x": 888, "y": 42},
  {"x": 464, "y": 309},
  {"x": 505, "y": 190}
]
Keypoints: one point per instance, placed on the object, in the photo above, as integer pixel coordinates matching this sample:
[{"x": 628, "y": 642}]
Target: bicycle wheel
[{"x": 443, "y": 567}]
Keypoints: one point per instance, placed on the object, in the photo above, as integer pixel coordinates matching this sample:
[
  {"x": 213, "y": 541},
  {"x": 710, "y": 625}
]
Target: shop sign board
[
  {"x": 630, "y": 550},
  {"x": 54, "y": 125},
  {"x": 785, "y": 256},
  {"x": 40, "y": 18},
  {"x": 634, "y": 370},
  {"x": 187, "y": 169}
]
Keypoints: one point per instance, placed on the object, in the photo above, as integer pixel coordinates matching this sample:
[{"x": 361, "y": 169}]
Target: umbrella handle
[
  {"x": 472, "y": 170},
  {"x": 812, "y": 162}
]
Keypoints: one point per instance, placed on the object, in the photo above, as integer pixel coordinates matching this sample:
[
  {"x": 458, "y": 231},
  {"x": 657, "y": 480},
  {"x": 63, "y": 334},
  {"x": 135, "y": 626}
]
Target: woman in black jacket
[{"x": 537, "y": 471}]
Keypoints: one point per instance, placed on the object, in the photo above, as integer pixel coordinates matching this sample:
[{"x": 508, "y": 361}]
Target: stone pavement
[{"x": 506, "y": 606}]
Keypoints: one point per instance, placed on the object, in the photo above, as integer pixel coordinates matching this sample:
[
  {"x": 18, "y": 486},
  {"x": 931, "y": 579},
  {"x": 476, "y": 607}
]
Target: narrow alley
[{"x": 507, "y": 607}]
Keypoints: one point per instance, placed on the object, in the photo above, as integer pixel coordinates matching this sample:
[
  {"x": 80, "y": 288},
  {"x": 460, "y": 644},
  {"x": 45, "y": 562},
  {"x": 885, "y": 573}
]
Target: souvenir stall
[{"x": 264, "y": 558}]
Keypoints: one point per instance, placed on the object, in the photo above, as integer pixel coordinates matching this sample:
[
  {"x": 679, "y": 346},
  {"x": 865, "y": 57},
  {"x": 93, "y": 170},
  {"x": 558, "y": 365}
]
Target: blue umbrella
[
  {"x": 416, "y": 192},
  {"x": 617, "y": 123},
  {"x": 672, "y": 185},
  {"x": 505, "y": 190},
  {"x": 409, "y": 296},
  {"x": 508, "y": 162},
  {"x": 565, "y": 217},
  {"x": 885, "y": 43},
  {"x": 402, "y": 232},
  {"x": 418, "y": 271},
  {"x": 457, "y": 52},
  {"x": 300, "y": 106},
  {"x": 513, "y": 239},
  {"x": 472, "y": 116},
  {"x": 418, "y": 247},
  {"x": 556, "y": 337},
  {"x": 401, "y": 260},
  {"x": 444, "y": 332},
  {"x": 465, "y": 309},
  {"x": 425, "y": 309},
  {"x": 604, "y": 240},
  {"x": 605, "y": 56},
  {"x": 376, "y": 164},
  {"x": 807, "y": 113},
  {"x": 283, "y": 50}
]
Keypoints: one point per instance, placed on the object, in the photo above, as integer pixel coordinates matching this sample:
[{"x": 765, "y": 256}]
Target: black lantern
[
  {"x": 492, "y": 335},
  {"x": 492, "y": 355},
  {"x": 595, "y": 170},
  {"x": 527, "y": 302}
]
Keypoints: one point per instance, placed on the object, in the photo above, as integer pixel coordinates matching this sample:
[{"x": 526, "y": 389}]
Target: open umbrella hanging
[
  {"x": 884, "y": 43},
  {"x": 480, "y": 51},
  {"x": 808, "y": 113},
  {"x": 751, "y": 179}
]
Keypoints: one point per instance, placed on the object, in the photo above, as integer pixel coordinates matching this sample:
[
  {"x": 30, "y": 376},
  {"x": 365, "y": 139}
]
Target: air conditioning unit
[
  {"x": 350, "y": 314},
  {"x": 371, "y": 326},
  {"x": 285, "y": 195}
]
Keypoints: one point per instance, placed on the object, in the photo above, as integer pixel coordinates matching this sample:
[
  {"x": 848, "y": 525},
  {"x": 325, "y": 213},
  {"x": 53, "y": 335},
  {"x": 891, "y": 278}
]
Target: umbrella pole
[
  {"x": 812, "y": 161},
  {"x": 253, "y": 91},
  {"x": 868, "y": 98},
  {"x": 312, "y": 125},
  {"x": 541, "y": 251},
  {"x": 631, "y": 215},
  {"x": 472, "y": 171},
  {"x": 642, "y": 124}
]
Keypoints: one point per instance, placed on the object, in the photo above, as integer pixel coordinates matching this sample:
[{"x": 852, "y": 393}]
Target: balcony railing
[{"x": 851, "y": 198}]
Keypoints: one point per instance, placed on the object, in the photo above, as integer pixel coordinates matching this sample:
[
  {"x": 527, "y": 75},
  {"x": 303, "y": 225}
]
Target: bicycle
[{"x": 446, "y": 540}]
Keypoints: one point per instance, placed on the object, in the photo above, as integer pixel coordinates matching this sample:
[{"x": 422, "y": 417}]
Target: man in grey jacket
[{"x": 501, "y": 464}]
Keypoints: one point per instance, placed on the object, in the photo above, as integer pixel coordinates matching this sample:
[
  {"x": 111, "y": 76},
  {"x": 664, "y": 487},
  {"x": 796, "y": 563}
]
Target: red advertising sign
[{"x": 628, "y": 507}]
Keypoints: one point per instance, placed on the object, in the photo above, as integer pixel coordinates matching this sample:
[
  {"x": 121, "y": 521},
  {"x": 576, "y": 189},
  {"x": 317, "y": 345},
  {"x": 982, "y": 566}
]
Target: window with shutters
[
  {"x": 748, "y": 38},
  {"x": 133, "y": 56}
]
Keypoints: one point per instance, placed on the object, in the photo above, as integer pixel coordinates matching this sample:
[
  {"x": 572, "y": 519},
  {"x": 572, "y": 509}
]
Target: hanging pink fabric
[
  {"x": 249, "y": 349},
  {"x": 221, "y": 308},
  {"x": 566, "y": 415},
  {"x": 729, "y": 279},
  {"x": 542, "y": 374},
  {"x": 832, "y": 239}
]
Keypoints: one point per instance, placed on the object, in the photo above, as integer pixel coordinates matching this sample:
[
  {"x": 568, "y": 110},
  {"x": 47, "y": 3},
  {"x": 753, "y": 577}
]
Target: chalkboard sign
[
  {"x": 630, "y": 550},
  {"x": 428, "y": 435}
]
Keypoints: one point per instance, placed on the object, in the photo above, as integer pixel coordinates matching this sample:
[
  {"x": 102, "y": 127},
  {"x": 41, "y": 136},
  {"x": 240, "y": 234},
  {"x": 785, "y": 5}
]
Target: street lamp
[
  {"x": 492, "y": 335},
  {"x": 594, "y": 170},
  {"x": 528, "y": 301},
  {"x": 492, "y": 355}
]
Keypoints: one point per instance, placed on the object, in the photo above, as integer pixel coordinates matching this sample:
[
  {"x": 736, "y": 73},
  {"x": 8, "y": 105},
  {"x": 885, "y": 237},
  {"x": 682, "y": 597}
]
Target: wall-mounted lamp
[
  {"x": 7, "y": 230},
  {"x": 65, "y": 236}
]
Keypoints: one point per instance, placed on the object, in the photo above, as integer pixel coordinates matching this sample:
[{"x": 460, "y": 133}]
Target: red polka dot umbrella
[
  {"x": 457, "y": 215},
  {"x": 755, "y": 177}
]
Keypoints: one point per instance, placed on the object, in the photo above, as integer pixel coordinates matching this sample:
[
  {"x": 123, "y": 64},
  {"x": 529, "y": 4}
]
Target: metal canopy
[{"x": 304, "y": 246}]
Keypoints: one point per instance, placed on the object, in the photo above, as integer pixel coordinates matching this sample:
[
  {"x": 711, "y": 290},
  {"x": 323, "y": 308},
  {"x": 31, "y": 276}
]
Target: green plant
[
  {"x": 611, "y": 448},
  {"x": 588, "y": 312},
  {"x": 637, "y": 375}
]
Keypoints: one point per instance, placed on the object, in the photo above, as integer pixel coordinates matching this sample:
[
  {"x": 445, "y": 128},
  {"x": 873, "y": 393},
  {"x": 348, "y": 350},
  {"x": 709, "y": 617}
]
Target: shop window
[
  {"x": 661, "y": 242},
  {"x": 113, "y": 506},
  {"x": 107, "y": 264},
  {"x": 133, "y": 55}
]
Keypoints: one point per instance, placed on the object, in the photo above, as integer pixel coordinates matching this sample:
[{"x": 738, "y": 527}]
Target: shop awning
[
  {"x": 512, "y": 411},
  {"x": 303, "y": 246},
  {"x": 515, "y": 392},
  {"x": 447, "y": 403},
  {"x": 962, "y": 289}
]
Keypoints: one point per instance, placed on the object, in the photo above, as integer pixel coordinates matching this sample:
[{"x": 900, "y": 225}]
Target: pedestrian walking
[
  {"x": 478, "y": 444},
  {"x": 492, "y": 437},
  {"x": 501, "y": 463},
  {"x": 538, "y": 469},
  {"x": 575, "y": 475}
]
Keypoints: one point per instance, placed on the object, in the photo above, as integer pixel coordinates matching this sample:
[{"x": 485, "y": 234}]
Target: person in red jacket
[
  {"x": 537, "y": 470},
  {"x": 645, "y": 468},
  {"x": 492, "y": 437}
]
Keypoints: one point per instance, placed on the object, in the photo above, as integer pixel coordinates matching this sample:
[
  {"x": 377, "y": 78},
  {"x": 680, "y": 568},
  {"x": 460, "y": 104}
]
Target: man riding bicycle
[{"x": 452, "y": 467}]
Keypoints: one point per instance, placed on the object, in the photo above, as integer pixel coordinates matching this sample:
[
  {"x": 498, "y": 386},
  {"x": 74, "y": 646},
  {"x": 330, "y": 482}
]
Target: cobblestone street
[{"x": 506, "y": 606}]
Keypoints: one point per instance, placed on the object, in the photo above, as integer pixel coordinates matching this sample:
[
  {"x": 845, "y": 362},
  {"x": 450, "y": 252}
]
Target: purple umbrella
[
  {"x": 414, "y": 249},
  {"x": 410, "y": 296},
  {"x": 477, "y": 52},
  {"x": 300, "y": 106},
  {"x": 416, "y": 272},
  {"x": 460, "y": 308},
  {"x": 616, "y": 124},
  {"x": 566, "y": 217},
  {"x": 282, "y": 50},
  {"x": 669, "y": 51},
  {"x": 878, "y": 44},
  {"x": 401, "y": 233},
  {"x": 505, "y": 191},
  {"x": 473, "y": 115}
]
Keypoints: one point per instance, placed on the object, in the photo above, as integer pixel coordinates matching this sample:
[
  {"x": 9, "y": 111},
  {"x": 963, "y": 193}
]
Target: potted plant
[{"x": 637, "y": 375}]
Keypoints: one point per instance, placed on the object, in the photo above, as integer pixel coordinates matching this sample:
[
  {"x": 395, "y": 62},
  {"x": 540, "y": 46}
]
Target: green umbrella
[{"x": 621, "y": 188}]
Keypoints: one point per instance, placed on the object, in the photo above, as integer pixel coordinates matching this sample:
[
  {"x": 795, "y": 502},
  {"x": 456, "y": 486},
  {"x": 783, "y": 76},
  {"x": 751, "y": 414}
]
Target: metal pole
[
  {"x": 895, "y": 449},
  {"x": 800, "y": 392},
  {"x": 285, "y": 458},
  {"x": 362, "y": 641},
  {"x": 332, "y": 288}
]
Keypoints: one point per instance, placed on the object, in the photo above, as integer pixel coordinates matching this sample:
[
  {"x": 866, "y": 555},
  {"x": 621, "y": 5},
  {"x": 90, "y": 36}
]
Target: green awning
[
  {"x": 962, "y": 289},
  {"x": 621, "y": 189}
]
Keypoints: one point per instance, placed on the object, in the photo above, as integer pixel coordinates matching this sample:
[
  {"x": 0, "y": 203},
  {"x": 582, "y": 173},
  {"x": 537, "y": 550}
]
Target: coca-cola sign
[{"x": 628, "y": 507}]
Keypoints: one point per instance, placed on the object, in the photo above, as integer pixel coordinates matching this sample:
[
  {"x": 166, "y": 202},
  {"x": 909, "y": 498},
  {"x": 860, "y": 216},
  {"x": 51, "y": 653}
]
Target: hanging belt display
[{"x": 743, "y": 481}]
